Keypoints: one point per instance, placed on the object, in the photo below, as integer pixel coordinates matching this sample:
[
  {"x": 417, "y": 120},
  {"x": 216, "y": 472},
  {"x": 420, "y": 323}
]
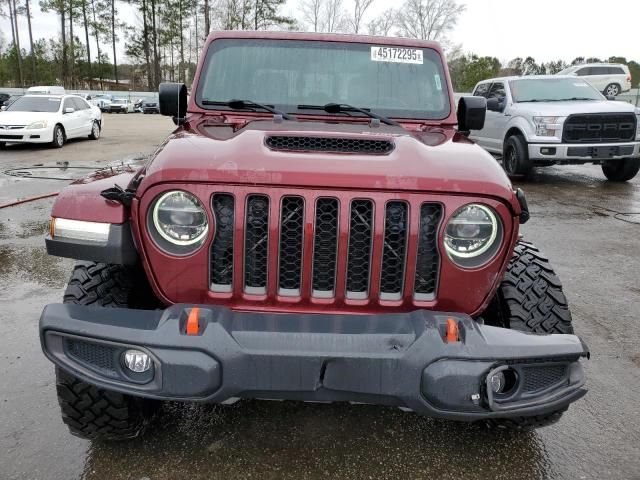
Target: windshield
[
  {"x": 34, "y": 104},
  {"x": 552, "y": 90},
  {"x": 391, "y": 81}
]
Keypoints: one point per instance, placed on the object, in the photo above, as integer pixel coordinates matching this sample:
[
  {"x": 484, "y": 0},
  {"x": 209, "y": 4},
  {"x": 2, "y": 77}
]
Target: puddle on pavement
[
  {"x": 32, "y": 264},
  {"x": 254, "y": 439}
]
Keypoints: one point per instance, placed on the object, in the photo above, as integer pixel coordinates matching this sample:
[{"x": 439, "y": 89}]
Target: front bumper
[
  {"x": 40, "y": 135},
  {"x": 400, "y": 360},
  {"x": 582, "y": 152}
]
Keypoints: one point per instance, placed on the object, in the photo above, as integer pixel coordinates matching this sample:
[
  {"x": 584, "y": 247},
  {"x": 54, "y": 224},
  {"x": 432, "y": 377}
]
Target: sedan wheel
[
  {"x": 58, "y": 137},
  {"x": 95, "y": 131}
]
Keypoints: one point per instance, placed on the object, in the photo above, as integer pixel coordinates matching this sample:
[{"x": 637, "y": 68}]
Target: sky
[{"x": 544, "y": 29}]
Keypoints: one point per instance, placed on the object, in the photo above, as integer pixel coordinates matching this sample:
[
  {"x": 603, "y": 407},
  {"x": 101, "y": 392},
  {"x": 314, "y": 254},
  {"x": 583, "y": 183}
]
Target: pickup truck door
[
  {"x": 478, "y": 136},
  {"x": 496, "y": 122}
]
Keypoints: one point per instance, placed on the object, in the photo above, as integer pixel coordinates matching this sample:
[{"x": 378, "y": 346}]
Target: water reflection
[{"x": 254, "y": 439}]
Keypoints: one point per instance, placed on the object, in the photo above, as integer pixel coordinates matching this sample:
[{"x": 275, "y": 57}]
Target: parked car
[
  {"x": 137, "y": 105},
  {"x": 121, "y": 105},
  {"x": 609, "y": 78},
  {"x": 4, "y": 97},
  {"x": 46, "y": 90},
  {"x": 102, "y": 101},
  {"x": 548, "y": 119},
  {"x": 150, "y": 106},
  {"x": 309, "y": 249},
  {"x": 49, "y": 119}
]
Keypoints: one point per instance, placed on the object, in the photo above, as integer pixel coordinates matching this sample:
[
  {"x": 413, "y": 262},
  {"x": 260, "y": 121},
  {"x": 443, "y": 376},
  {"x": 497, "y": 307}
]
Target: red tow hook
[
  {"x": 193, "y": 322},
  {"x": 453, "y": 334}
]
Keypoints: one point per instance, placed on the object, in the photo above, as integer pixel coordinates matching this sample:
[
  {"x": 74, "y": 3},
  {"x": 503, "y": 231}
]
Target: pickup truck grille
[
  {"x": 599, "y": 128},
  {"x": 312, "y": 245}
]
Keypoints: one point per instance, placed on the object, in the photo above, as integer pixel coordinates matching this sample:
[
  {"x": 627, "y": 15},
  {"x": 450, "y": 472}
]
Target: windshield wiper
[
  {"x": 344, "y": 108},
  {"x": 248, "y": 104}
]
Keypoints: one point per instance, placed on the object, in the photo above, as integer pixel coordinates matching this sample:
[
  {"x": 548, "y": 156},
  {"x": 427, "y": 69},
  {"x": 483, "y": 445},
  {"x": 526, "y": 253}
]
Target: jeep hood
[
  {"x": 564, "y": 109},
  {"x": 434, "y": 160}
]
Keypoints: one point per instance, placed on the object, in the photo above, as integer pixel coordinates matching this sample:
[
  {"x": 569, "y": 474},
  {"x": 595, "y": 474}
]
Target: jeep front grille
[
  {"x": 310, "y": 245},
  {"x": 599, "y": 128}
]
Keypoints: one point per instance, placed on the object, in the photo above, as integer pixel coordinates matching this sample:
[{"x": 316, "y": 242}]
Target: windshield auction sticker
[{"x": 396, "y": 55}]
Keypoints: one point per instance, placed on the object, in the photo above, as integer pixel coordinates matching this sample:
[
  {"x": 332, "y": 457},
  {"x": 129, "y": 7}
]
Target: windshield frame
[
  {"x": 446, "y": 115},
  {"x": 584, "y": 83},
  {"x": 50, "y": 98}
]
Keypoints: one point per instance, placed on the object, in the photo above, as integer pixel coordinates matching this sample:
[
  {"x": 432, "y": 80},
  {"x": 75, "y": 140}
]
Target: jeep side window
[
  {"x": 497, "y": 91},
  {"x": 482, "y": 90}
]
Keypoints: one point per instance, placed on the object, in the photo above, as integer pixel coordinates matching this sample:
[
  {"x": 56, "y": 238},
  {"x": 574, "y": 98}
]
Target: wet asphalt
[{"x": 588, "y": 227}]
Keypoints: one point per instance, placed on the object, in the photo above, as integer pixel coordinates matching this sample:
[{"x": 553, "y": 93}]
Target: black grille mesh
[
  {"x": 325, "y": 245},
  {"x": 539, "y": 378},
  {"x": 256, "y": 242},
  {"x": 360, "y": 237},
  {"x": 100, "y": 357},
  {"x": 428, "y": 261},
  {"x": 329, "y": 144},
  {"x": 596, "y": 128},
  {"x": 395, "y": 246},
  {"x": 222, "y": 246},
  {"x": 291, "y": 236}
]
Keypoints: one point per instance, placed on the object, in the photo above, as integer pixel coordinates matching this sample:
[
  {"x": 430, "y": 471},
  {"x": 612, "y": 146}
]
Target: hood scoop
[{"x": 297, "y": 143}]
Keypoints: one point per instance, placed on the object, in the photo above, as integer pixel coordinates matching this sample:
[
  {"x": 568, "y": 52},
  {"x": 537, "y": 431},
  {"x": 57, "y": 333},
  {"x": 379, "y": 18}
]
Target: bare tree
[
  {"x": 360, "y": 8},
  {"x": 428, "y": 19},
  {"x": 383, "y": 24},
  {"x": 333, "y": 17},
  {"x": 311, "y": 11}
]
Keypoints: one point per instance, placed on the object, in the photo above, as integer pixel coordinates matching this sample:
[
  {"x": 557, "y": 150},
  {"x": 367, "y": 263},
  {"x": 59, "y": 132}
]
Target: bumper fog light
[
  {"x": 137, "y": 361},
  {"x": 497, "y": 382}
]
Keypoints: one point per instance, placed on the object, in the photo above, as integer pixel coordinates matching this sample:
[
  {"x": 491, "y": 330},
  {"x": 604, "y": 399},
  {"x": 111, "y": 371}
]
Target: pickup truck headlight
[
  {"x": 178, "y": 222},
  {"x": 546, "y": 126},
  {"x": 473, "y": 235},
  {"x": 37, "y": 125}
]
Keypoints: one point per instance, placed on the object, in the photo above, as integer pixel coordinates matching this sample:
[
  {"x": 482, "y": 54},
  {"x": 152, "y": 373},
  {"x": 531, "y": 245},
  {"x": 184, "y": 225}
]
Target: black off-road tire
[
  {"x": 621, "y": 170},
  {"x": 92, "y": 412},
  {"x": 530, "y": 299},
  {"x": 515, "y": 160}
]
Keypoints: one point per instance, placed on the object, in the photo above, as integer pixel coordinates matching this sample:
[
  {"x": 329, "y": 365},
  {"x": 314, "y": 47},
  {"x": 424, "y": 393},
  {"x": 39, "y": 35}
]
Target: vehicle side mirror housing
[
  {"x": 69, "y": 110},
  {"x": 3, "y": 108},
  {"x": 173, "y": 101},
  {"x": 495, "y": 105},
  {"x": 471, "y": 114}
]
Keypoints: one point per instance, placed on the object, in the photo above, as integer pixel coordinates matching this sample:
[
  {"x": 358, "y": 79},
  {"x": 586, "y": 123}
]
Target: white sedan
[{"x": 50, "y": 119}]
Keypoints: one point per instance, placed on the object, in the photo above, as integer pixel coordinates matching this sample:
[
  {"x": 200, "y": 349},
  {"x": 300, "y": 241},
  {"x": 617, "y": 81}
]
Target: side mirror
[
  {"x": 3, "y": 108},
  {"x": 69, "y": 110},
  {"x": 173, "y": 101},
  {"x": 471, "y": 114},
  {"x": 495, "y": 105}
]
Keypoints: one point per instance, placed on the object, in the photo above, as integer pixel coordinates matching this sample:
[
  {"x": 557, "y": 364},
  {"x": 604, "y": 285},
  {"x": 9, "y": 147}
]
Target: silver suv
[
  {"x": 609, "y": 78},
  {"x": 548, "y": 119}
]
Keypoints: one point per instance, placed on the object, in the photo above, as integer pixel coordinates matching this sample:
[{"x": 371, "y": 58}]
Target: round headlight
[
  {"x": 180, "y": 222},
  {"x": 473, "y": 235}
]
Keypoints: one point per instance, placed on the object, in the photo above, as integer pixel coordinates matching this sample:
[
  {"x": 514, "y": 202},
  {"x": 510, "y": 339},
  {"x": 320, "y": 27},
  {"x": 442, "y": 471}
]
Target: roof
[{"x": 324, "y": 37}]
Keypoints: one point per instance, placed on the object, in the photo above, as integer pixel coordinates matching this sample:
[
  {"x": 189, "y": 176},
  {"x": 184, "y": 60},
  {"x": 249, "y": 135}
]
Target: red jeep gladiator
[{"x": 317, "y": 228}]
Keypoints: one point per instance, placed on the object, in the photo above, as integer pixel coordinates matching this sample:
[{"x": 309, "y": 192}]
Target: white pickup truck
[{"x": 549, "y": 119}]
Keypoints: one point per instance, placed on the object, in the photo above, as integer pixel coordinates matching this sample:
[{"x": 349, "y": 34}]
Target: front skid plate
[{"x": 391, "y": 359}]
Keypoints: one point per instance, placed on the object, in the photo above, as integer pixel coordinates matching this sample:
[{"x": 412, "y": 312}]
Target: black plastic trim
[{"x": 119, "y": 248}]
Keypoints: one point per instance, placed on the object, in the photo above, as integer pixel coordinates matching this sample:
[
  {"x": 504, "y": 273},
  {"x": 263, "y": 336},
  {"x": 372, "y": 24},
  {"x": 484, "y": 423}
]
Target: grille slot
[
  {"x": 291, "y": 238},
  {"x": 394, "y": 250},
  {"x": 428, "y": 259},
  {"x": 360, "y": 247},
  {"x": 599, "y": 128},
  {"x": 256, "y": 244},
  {"x": 325, "y": 247},
  {"x": 540, "y": 378},
  {"x": 329, "y": 144},
  {"x": 223, "y": 206},
  {"x": 99, "y": 357}
]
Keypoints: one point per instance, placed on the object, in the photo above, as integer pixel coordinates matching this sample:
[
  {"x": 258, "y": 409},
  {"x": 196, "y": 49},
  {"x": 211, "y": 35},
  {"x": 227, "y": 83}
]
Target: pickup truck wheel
[
  {"x": 529, "y": 299},
  {"x": 621, "y": 170},
  {"x": 516, "y": 157},
  {"x": 612, "y": 89},
  {"x": 91, "y": 412}
]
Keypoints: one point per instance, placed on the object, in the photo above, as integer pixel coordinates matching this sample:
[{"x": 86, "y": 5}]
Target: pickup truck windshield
[
  {"x": 399, "y": 82},
  {"x": 552, "y": 90}
]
